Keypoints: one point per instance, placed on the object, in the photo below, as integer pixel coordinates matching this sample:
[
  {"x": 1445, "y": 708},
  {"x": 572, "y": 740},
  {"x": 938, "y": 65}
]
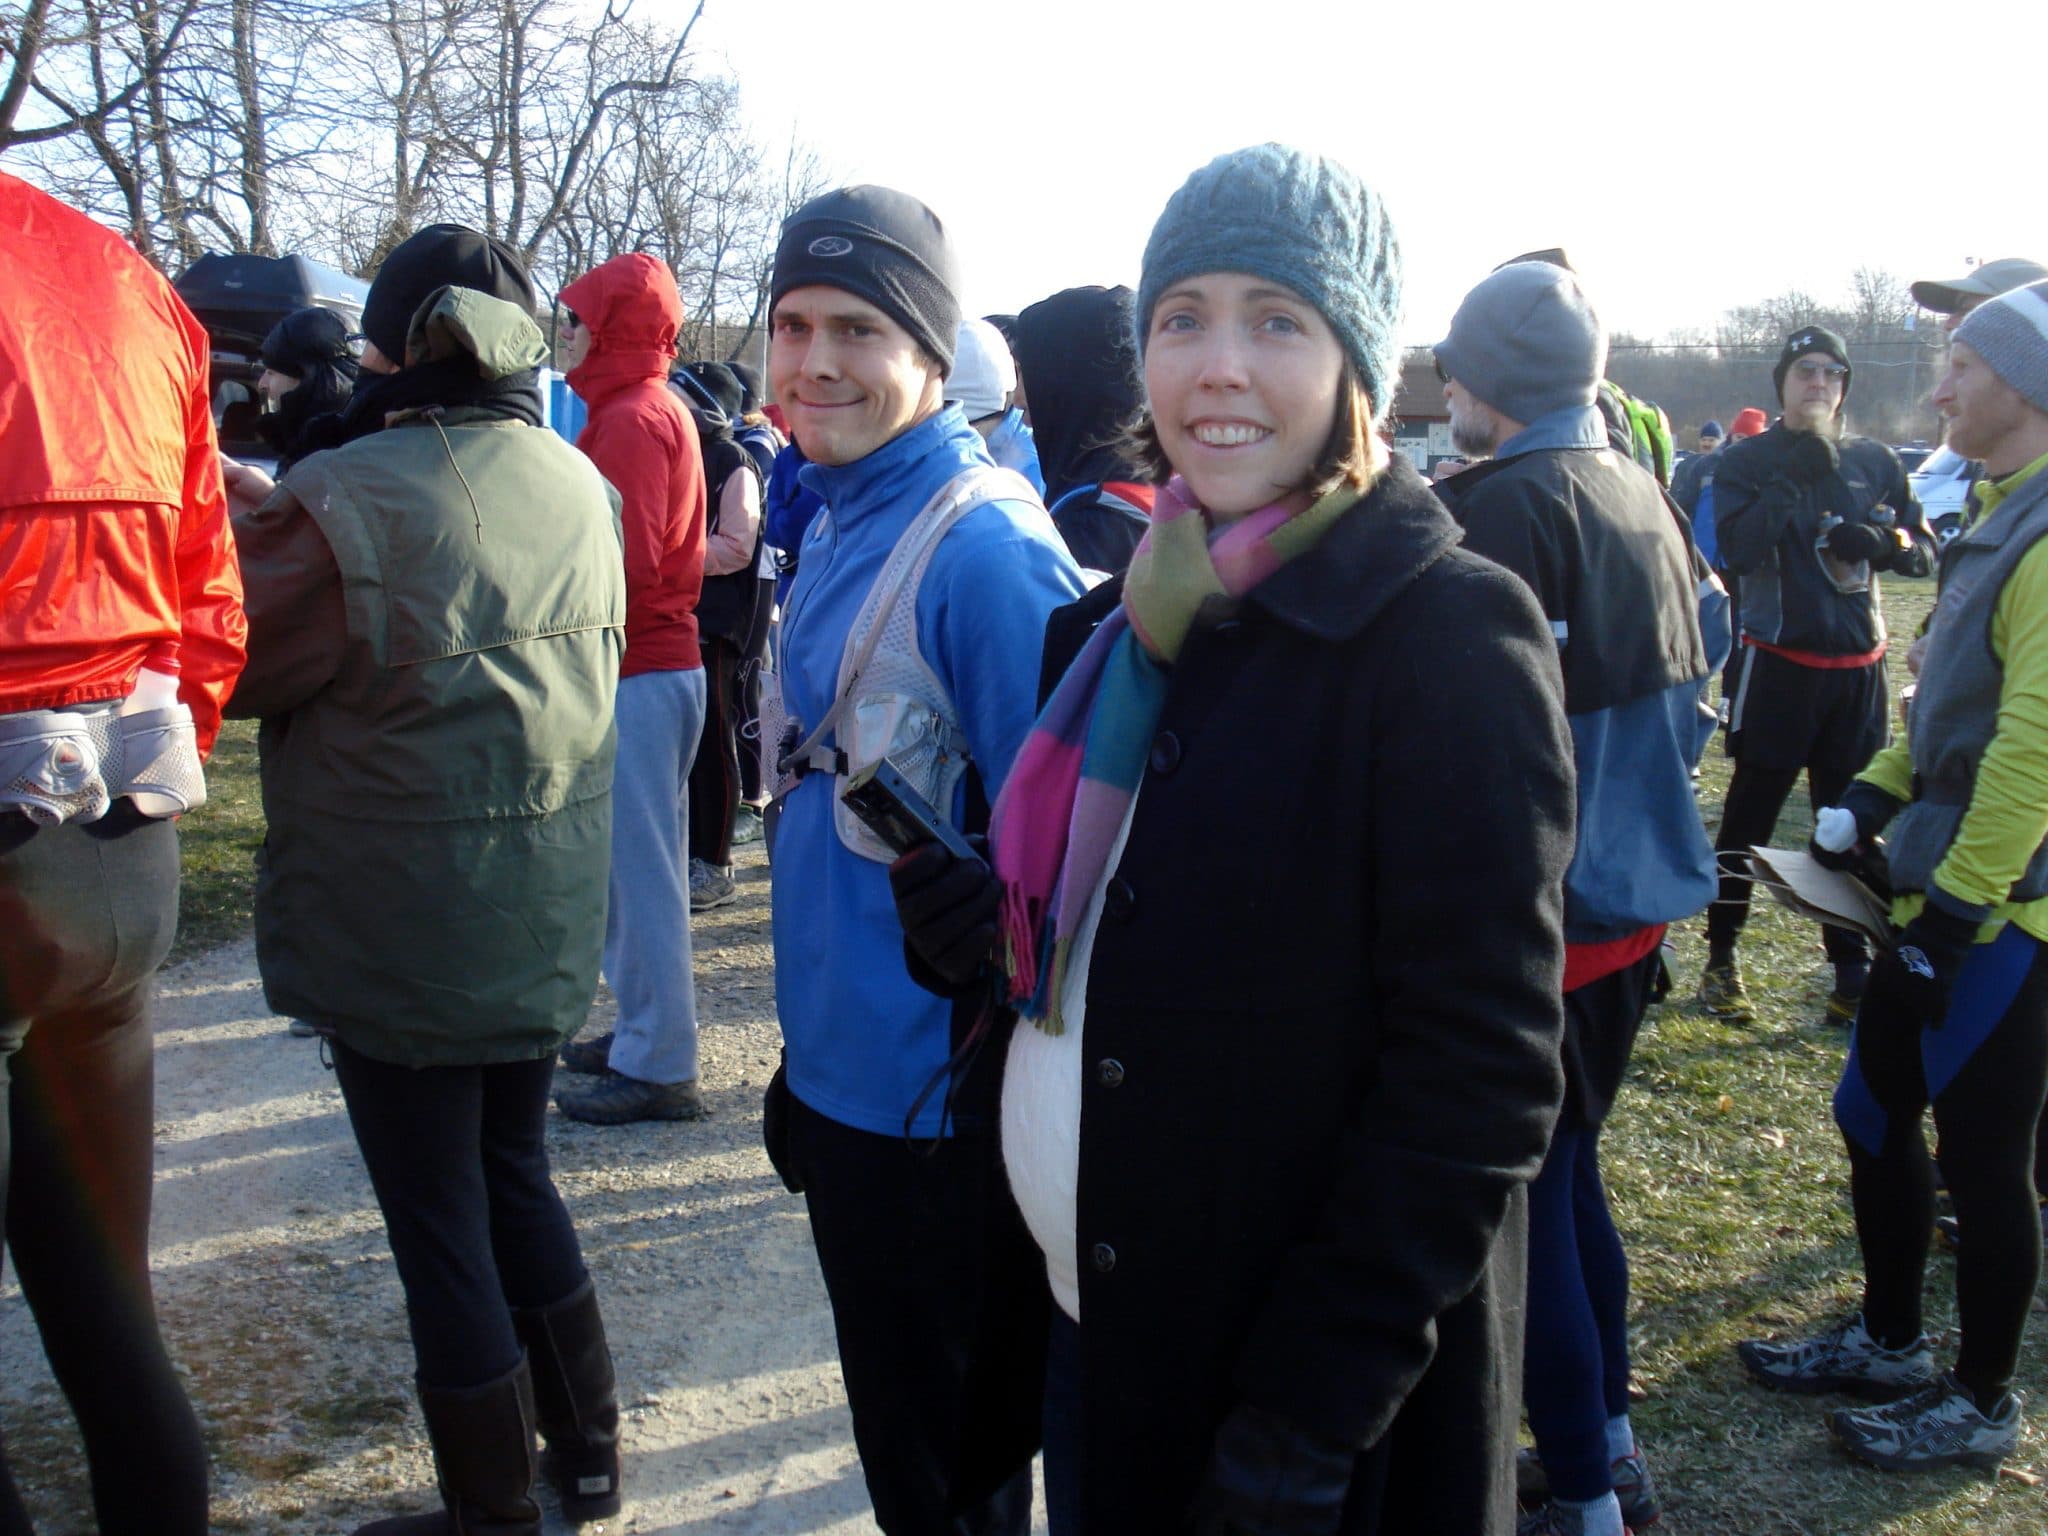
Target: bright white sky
[{"x": 1690, "y": 157}]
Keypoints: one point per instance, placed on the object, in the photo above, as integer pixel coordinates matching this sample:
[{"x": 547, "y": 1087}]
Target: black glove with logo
[
  {"x": 1922, "y": 967},
  {"x": 1852, "y": 542},
  {"x": 1810, "y": 458},
  {"x": 947, "y": 906},
  {"x": 1269, "y": 1478}
]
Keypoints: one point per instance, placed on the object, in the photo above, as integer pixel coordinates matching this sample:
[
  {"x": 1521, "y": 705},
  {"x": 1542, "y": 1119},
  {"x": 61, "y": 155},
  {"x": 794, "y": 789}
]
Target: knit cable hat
[
  {"x": 1812, "y": 338},
  {"x": 1526, "y": 341},
  {"x": 1296, "y": 219},
  {"x": 882, "y": 246},
  {"x": 2010, "y": 333},
  {"x": 439, "y": 256}
]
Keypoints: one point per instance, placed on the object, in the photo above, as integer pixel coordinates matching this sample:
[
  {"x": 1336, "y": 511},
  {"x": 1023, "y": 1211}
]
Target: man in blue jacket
[
  {"x": 886, "y": 1123},
  {"x": 1590, "y": 532}
]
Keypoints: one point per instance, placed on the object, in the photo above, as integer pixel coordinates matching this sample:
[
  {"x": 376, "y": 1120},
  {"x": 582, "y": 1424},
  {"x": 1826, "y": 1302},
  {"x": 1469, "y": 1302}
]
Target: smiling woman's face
[{"x": 1243, "y": 378}]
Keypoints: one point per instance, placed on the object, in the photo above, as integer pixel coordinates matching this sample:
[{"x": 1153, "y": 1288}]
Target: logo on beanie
[{"x": 830, "y": 245}]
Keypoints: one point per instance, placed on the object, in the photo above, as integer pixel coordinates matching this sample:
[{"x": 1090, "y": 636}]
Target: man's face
[
  {"x": 1985, "y": 414},
  {"x": 1475, "y": 426},
  {"x": 1965, "y": 302},
  {"x": 1813, "y": 392},
  {"x": 847, "y": 376},
  {"x": 1709, "y": 442},
  {"x": 274, "y": 386}
]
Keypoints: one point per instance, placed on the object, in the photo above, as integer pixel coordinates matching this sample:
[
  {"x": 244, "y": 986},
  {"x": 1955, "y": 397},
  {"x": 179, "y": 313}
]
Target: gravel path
[{"x": 281, "y": 1304}]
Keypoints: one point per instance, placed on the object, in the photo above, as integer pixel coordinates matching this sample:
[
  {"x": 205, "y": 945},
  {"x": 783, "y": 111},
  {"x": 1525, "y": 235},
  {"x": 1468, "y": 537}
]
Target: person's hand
[
  {"x": 1269, "y": 1478},
  {"x": 1809, "y": 457},
  {"x": 1845, "y": 835},
  {"x": 1923, "y": 965},
  {"x": 947, "y": 906},
  {"x": 1853, "y": 542},
  {"x": 248, "y": 487}
]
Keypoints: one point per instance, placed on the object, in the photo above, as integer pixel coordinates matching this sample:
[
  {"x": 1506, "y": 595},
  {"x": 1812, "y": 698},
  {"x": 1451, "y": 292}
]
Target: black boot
[
  {"x": 578, "y": 1398},
  {"x": 483, "y": 1451}
]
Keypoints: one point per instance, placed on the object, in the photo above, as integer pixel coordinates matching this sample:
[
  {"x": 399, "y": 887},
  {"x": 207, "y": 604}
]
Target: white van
[{"x": 1942, "y": 483}]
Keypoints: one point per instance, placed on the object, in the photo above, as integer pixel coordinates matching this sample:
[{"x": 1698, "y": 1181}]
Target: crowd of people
[{"x": 1210, "y": 1095}]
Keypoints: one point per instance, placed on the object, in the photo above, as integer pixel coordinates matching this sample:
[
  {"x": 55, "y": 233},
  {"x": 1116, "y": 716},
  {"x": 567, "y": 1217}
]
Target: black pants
[
  {"x": 1985, "y": 1072},
  {"x": 458, "y": 1158},
  {"x": 715, "y": 776},
  {"x": 87, "y": 914},
  {"x": 902, "y": 1241},
  {"x": 1786, "y": 717}
]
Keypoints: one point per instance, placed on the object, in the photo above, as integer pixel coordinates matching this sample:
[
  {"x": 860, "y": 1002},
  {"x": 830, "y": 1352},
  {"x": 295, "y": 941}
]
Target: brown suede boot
[
  {"x": 577, "y": 1396},
  {"x": 483, "y": 1452}
]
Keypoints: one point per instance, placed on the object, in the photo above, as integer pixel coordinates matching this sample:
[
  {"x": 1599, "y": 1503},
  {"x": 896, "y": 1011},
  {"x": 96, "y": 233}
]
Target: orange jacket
[{"x": 114, "y": 539}]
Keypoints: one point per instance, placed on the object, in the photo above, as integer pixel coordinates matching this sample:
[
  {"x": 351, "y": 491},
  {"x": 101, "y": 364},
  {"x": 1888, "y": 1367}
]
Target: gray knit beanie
[
  {"x": 2010, "y": 333},
  {"x": 1526, "y": 342},
  {"x": 1296, "y": 219}
]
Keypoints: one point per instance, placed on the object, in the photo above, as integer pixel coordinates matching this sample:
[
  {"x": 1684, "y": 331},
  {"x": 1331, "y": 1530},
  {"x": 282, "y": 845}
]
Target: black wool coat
[{"x": 1322, "y": 1030}]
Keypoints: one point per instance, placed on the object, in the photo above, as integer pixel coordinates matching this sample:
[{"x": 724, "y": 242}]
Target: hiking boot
[
  {"x": 1723, "y": 995},
  {"x": 1938, "y": 1426},
  {"x": 746, "y": 826},
  {"x": 1633, "y": 1486},
  {"x": 593, "y": 1055},
  {"x": 711, "y": 886},
  {"x": 1555, "y": 1519},
  {"x": 615, "y": 1099},
  {"x": 1844, "y": 1359}
]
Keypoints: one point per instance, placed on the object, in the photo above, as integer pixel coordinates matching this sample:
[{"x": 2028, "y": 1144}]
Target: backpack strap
[{"x": 905, "y": 567}]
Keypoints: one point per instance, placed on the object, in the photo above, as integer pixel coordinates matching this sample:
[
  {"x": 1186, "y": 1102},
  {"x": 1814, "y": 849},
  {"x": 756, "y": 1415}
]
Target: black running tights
[{"x": 1756, "y": 795}]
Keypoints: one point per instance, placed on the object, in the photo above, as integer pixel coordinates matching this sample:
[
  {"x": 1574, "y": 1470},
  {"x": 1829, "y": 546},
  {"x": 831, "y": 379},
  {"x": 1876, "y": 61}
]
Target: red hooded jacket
[
  {"x": 114, "y": 539},
  {"x": 643, "y": 441}
]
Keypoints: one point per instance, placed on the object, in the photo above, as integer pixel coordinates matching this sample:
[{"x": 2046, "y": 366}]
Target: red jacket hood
[{"x": 634, "y": 312}]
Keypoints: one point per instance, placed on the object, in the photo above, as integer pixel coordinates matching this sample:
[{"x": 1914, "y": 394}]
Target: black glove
[
  {"x": 1852, "y": 542},
  {"x": 1269, "y": 1478},
  {"x": 1922, "y": 967},
  {"x": 1809, "y": 457},
  {"x": 947, "y": 906}
]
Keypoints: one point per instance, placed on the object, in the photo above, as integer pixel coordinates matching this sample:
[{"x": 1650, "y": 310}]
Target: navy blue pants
[{"x": 1985, "y": 1074}]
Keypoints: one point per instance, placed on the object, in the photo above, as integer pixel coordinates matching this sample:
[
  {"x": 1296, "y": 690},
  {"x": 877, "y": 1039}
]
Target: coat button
[
  {"x": 1119, "y": 901},
  {"x": 1104, "y": 1257},
  {"x": 1166, "y": 752},
  {"x": 1109, "y": 1072}
]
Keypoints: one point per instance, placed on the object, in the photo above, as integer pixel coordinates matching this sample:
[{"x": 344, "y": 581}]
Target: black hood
[{"x": 1080, "y": 377}]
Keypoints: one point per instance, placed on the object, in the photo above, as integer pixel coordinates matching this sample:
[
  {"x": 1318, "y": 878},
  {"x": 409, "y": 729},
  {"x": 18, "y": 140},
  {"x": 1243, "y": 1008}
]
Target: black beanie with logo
[
  {"x": 1812, "y": 338},
  {"x": 882, "y": 246}
]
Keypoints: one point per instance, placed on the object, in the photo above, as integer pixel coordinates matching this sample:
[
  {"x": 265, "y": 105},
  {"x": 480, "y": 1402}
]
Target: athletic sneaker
[
  {"x": 1723, "y": 995},
  {"x": 615, "y": 1099},
  {"x": 1554, "y": 1519},
  {"x": 1852, "y": 979},
  {"x": 1938, "y": 1426},
  {"x": 1633, "y": 1486},
  {"x": 746, "y": 826},
  {"x": 711, "y": 886},
  {"x": 1948, "y": 1232},
  {"x": 592, "y": 1055},
  {"x": 1844, "y": 1359},
  {"x": 1841, "y": 1009}
]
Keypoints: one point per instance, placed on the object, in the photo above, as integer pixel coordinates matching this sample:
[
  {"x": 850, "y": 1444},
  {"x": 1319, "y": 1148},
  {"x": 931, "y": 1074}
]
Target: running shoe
[
  {"x": 1844, "y": 1359},
  {"x": 711, "y": 886},
  {"x": 1938, "y": 1426},
  {"x": 1723, "y": 995},
  {"x": 1633, "y": 1486}
]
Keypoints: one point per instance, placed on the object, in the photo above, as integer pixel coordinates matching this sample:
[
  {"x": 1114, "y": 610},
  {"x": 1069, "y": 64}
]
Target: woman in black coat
[{"x": 1279, "y": 879}]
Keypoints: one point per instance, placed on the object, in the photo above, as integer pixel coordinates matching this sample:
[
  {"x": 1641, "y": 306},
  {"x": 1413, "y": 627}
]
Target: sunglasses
[{"x": 1812, "y": 371}]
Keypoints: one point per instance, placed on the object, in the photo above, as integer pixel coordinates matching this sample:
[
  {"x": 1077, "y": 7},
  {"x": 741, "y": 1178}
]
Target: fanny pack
[{"x": 59, "y": 765}]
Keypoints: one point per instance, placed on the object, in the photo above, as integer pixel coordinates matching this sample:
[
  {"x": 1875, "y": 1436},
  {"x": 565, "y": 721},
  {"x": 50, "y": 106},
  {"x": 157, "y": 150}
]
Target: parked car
[
  {"x": 1913, "y": 455},
  {"x": 1942, "y": 484}
]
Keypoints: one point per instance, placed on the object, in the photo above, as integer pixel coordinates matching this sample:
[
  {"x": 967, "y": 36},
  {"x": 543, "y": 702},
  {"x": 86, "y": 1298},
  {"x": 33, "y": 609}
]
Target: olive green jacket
[{"x": 441, "y": 607}]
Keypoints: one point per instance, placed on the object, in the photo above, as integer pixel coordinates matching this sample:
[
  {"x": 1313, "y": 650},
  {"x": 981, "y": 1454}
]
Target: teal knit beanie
[{"x": 1295, "y": 219}]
